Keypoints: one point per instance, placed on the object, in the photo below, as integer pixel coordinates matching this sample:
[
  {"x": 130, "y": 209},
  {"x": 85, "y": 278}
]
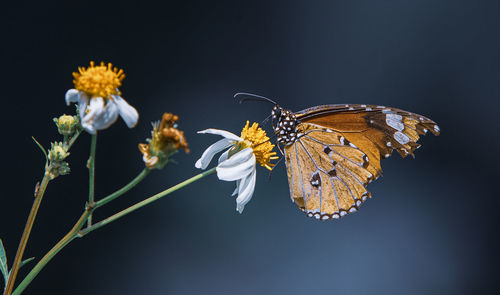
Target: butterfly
[{"x": 332, "y": 152}]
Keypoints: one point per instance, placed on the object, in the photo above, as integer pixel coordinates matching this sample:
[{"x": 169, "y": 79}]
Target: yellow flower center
[
  {"x": 99, "y": 81},
  {"x": 257, "y": 139}
]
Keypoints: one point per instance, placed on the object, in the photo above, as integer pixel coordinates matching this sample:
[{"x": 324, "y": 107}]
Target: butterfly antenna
[{"x": 252, "y": 97}]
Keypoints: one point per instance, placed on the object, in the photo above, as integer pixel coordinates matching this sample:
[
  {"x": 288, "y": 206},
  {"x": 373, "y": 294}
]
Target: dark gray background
[{"x": 431, "y": 228}]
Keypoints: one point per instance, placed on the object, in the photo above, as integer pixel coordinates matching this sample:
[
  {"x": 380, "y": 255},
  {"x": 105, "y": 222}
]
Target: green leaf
[
  {"x": 26, "y": 261},
  {"x": 3, "y": 263},
  {"x": 23, "y": 263},
  {"x": 41, "y": 147}
]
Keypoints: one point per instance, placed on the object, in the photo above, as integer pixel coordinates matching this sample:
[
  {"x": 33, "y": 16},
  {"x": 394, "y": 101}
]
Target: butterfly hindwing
[{"x": 327, "y": 174}]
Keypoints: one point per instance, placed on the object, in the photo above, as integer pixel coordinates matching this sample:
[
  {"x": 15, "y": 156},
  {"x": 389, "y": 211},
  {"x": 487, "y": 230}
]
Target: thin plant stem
[
  {"x": 27, "y": 231},
  {"x": 73, "y": 139},
  {"x": 145, "y": 202},
  {"x": 32, "y": 216},
  {"x": 92, "y": 174},
  {"x": 58, "y": 247},
  {"x": 77, "y": 231},
  {"x": 123, "y": 190}
]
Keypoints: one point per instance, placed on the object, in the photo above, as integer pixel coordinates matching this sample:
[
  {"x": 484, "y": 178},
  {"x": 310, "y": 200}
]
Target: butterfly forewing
[
  {"x": 386, "y": 128},
  {"x": 337, "y": 152}
]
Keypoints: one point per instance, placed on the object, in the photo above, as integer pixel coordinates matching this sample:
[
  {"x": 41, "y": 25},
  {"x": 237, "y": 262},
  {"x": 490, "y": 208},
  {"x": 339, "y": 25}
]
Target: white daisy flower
[
  {"x": 238, "y": 162},
  {"x": 96, "y": 92}
]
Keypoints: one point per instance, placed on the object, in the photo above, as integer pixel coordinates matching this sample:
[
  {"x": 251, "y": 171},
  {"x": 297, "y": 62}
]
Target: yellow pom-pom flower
[{"x": 99, "y": 98}]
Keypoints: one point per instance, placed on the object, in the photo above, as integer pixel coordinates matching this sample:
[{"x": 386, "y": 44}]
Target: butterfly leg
[
  {"x": 279, "y": 148},
  {"x": 265, "y": 120},
  {"x": 272, "y": 169}
]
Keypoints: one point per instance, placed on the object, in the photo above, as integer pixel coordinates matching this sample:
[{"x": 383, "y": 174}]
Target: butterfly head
[{"x": 286, "y": 125}]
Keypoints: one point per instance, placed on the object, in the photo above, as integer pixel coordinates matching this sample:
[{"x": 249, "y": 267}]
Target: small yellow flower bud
[
  {"x": 66, "y": 125},
  {"x": 57, "y": 152}
]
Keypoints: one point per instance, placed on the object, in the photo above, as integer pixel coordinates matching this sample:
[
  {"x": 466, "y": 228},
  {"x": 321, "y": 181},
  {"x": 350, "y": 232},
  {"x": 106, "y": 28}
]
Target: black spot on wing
[{"x": 315, "y": 180}]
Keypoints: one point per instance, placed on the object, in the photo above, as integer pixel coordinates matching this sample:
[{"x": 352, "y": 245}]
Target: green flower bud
[
  {"x": 57, "y": 153},
  {"x": 66, "y": 125},
  {"x": 58, "y": 168}
]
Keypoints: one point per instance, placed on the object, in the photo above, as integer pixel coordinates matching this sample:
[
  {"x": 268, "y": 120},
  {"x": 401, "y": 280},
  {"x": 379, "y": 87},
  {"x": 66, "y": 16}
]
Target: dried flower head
[{"x": 165, "y": 140}]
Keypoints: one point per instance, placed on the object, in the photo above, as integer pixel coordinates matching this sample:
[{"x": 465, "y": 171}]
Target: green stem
[
  {"x": 145, "y": 202},
  {"x": 27, "y": 231},
  {"x": 77, "y": 231},
  {"x": 92, "y": 174},
  {"x": 32, "y": 216},
  {"x": 124, "y": 189},
  {"x": 58, "y": 247},
  {"x": 73, "y": 139}
]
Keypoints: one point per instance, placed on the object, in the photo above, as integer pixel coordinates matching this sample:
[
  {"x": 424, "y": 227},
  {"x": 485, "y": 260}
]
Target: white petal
[
  {"x": 83, "y": 102},
  {"x": 107, "y": 117},
  {"x": 210, "y": 152},
  {"x": 235, "y": 192},
  {"x": 95, "y": 107},
  {"x": 245, "y": 192},
  {"x": 89, "y": 127},
  {"x": 238, "y": 166},
  {"x": 128, "y": 113},
  {"x": 72, "y": 95},
  {"x": 223, "y": 133},
  {"x": 224, "y": 156},
  {"x": 93, "y": 110}
]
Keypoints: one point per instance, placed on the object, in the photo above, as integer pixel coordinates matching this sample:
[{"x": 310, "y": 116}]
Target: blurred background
[{"x": 432, "y": 226}]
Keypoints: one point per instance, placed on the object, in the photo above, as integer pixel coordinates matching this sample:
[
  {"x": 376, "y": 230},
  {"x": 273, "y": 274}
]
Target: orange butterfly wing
[{"x": 338, "y": 151}]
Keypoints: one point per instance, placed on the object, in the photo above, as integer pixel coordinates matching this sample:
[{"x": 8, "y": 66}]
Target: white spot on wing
[
  {"x": 394, "y": 121},
  {"x": 436, "y": 128},
  {"x": 395, "y": 117},
  {"x": 401, "y": 137}
]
